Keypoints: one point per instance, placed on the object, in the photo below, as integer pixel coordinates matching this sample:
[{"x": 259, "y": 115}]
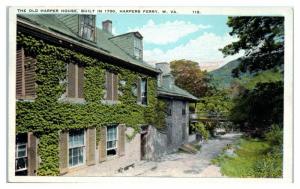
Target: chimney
[
  {"x": 107, "y": 26},
  {"x": 164, "y": 67},
  {"x": 165, "y": 75}
]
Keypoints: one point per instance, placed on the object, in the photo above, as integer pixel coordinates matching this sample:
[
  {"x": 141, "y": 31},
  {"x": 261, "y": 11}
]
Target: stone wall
[
  {"x": 156, "y": 144},
  {"x": 159, "y": 143},
  {"x": 178, "y": 124}
]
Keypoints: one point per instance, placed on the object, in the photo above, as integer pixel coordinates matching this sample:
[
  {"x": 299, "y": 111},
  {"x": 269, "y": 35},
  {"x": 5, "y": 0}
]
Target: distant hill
[{"x": 222, "y": 76}]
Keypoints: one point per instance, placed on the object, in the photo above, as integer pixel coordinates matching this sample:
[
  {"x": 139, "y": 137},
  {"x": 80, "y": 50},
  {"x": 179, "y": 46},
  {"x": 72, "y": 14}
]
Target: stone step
[{"x": 188, "y": 148}]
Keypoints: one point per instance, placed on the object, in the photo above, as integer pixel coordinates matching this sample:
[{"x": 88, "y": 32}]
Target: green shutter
[
  {"x": 63, "y": 152},
  {"x": 91, "y": 146}
]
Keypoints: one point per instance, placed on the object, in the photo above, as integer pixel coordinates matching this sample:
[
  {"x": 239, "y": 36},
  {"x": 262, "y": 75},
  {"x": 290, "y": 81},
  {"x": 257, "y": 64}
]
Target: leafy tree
[
  {"x": 258, "y": 97},
  {"x": 262, "y": 40},
  {"x": 259, "y": 108},
  {"x": 218, "y": 103},
  {"x": 189, "y": 76}
]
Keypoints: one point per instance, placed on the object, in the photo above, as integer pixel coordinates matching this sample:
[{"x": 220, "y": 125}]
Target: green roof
[
  {"x": 53, "y": 24},
  {"x": 169, "y": 89}
]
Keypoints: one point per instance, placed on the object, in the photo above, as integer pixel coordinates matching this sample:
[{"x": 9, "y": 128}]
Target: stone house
[
  {"x": 84, "y": 96},
  {"x": 176, "y": 133}
]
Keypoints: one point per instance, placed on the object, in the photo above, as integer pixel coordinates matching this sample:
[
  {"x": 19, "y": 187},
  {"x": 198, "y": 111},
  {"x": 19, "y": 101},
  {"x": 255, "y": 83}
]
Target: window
[
  {"x": 111, "y": 86},
  {"x": 169, "y": 108},
  {"x": 144, "y": 91},
  {"x": 87, "y": 27},
  {"x": 21, "y": 155},
  {"x": 183, "y": 109},
  {"x": 138, "y": 48},
  {"x": 183, "y": 131},
  {"x": 111, "y": 140},
  {"x": 134, "y": 90},
  {"x": 76, "y": 148},
  {"x": 75, "y": 81},
  {"x": 25, "y": 76}
]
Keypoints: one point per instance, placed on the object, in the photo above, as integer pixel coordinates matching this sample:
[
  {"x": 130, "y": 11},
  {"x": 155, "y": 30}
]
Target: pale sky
[{"x": 174, "y": 37}]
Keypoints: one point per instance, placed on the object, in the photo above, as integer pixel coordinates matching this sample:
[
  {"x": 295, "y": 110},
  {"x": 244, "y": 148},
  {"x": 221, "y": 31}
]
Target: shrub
[
  {"x": 270, "y": 166},
  {"x": 275, "y": 135},
  {"x": 200, "y": 127}
]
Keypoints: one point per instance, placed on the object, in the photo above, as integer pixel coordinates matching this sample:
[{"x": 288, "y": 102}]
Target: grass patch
[{"x": 254, "y": 158}]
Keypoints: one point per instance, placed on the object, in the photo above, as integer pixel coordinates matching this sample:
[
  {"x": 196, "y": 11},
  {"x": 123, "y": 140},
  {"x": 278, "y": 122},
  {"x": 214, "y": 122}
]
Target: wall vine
[{"x": 47, "y": 115}]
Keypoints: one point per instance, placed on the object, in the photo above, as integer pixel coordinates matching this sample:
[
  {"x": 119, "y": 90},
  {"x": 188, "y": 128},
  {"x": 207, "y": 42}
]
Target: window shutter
[
  {"x": 29, "y": 66},
  {"x": 102, "y": 144},
  {"x": 63, "y": 152},
  {"x": 121, "y": 139},
  {"x": 91, "y": 146},
  {"x": 32, "y": 154},
  {"x": 71, "y": 80},
  {"x": 147, "y": 83},
  {"x": 115, "y": 87},
  {"x": 19, "y": 72},
  {"x": 139, "y": 95},
  {"x": 109, "y": 85},
  {"x": 80, "y": 81}
]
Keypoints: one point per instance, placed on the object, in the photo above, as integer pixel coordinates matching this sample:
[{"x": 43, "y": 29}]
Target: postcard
[{"x": 189, "y": 92}]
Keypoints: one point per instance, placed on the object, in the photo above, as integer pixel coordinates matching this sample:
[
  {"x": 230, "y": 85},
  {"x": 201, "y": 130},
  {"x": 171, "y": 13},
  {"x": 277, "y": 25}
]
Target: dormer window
[
  {"x": 87, "y": 27},
  {"x": 138, "y": 48}
]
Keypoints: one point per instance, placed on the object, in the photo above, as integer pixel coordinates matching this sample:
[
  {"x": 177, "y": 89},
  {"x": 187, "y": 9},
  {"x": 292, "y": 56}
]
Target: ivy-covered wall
[{"x": 46, "y": 115}]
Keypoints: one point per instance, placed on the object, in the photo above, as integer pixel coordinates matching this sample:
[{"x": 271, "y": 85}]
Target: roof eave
[
  {"x": 77, "y": 43},
  {"x": 166, "y": 94}
]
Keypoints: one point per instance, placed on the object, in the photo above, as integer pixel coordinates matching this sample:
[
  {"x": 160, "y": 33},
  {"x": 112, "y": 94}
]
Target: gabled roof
[
  {"x": 169, "y": 90},
  {"x": 103, "y": 45},
  {"x": 136, "y": 33}
]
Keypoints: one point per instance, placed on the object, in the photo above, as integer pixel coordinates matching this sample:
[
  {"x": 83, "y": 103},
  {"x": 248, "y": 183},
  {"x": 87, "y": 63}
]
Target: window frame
[
  {"x": 137, "y": 48},
  {"x": 22, "y": 157},
  {"x": 83, "y": 24},
  {"x": 169, "y": 108},
  {"x": 183, "y": 111},
  {"x": 144, "y": 96},
  {"x": 116, "y": 140},
  {"x": 79, "y": 146}
]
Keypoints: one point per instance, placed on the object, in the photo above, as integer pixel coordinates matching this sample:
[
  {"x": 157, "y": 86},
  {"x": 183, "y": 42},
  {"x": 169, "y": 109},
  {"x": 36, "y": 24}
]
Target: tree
[
  {"x": 189, "y": 76},
  {"x": 262, "y": 40},
  {"x": 259, "y": 101},
  {"x": 259, "y": 108},
  {"x": 217, "y": 103}
]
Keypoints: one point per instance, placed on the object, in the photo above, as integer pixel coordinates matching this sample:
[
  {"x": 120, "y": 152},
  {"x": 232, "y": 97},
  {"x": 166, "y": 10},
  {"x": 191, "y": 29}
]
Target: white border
[{"x": 288, "y": 92}]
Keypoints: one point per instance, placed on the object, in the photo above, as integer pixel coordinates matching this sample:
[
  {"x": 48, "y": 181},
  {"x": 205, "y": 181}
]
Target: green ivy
[
  {"x": 48, "y": 151},
  {"x": 48, "y": 115}
]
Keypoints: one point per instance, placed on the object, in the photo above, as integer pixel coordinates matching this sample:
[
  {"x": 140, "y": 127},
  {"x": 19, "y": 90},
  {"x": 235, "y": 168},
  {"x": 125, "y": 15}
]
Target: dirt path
[{"x": 186, "y": 165}]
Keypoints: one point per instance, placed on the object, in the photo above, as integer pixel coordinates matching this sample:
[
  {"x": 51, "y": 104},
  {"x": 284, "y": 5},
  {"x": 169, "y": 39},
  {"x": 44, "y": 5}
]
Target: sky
[{"x": 174, "y": 37}]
